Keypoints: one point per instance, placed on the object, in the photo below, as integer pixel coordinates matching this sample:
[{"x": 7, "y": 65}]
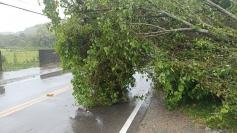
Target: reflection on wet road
[
  {"x": 60, "y": 115},
  {"x": 102, "y": 119},
  {"x": 13, "y": 76}
]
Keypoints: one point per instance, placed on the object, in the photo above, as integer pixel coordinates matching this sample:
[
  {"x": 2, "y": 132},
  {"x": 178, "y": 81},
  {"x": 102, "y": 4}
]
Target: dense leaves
[
  {"x": 191, "y": 46},
  {"x": 103, "y": 55}
]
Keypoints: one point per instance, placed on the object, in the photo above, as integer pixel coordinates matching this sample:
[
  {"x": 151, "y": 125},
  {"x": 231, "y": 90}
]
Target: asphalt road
[{"x": 25, "y": 108}]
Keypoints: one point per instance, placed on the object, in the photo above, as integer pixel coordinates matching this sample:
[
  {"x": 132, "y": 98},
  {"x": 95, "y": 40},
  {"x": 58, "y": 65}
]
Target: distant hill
[
  {"x": 6, "y": 33},
  {"x": 33, "y": 37},
  {"x": 27, "y": 31}
]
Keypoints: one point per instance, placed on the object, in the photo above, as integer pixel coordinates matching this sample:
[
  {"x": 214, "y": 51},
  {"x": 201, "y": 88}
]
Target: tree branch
[
  {"x": 175, "y": 30},
  {"x": 171, "y": 15},
  {"x": 145, "y": 39},
  {"x": 191, "y": 26},
  {"x": 211, "y": 4},
  {"x": 148, "y": 25},
  {"x": 198, "y": 18},
  {"x": 233, "y": 2}
]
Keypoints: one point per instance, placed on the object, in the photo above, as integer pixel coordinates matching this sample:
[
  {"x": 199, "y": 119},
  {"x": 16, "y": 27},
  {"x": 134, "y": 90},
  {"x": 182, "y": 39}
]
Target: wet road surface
[
  {"x": 13, "y": 76},
  {"x": 59, "y": 114}
]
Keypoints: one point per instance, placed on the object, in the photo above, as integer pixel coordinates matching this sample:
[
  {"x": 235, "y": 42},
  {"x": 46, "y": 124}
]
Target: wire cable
[
  {"x": 22, "y": 8},
  {"x": 27, "y": 3},
  {"x": 25, "y": 9}
]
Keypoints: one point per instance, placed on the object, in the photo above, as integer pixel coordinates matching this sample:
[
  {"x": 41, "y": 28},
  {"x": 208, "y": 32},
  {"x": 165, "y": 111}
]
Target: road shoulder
[{"x": 159, "y": 119}]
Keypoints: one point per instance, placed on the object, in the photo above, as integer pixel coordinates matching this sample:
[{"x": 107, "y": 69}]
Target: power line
[
  {"x": 25, "y": 9},
  {"x": 22, "y": 8},
  {"x": 27, "y": 3}
]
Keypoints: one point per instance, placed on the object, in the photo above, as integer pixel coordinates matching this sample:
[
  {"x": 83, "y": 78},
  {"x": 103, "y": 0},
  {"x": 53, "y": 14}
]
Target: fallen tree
[{"x": 191, "y": 46}]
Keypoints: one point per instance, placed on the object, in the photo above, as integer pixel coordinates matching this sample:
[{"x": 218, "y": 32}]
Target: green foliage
[
  {"x": 103, "y": 55},
  {"x": 208, "y": 111},
  {"x": 206, "y": 69},
  {"x": 191, "y": 46},
  {"x": 196, "y": 73}
]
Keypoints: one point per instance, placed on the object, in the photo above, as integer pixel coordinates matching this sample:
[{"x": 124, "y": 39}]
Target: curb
[
  {"x": 52, "y": 74},
  {"x": 42, "y": 76}
]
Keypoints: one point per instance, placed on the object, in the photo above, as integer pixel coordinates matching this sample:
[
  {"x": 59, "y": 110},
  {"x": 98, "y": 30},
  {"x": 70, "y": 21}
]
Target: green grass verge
[
  {"x": 15, "y": 59},
  {"x": 202, "y": 112}
]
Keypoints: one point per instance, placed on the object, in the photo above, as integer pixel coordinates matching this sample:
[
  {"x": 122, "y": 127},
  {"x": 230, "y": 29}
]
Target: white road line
[{"x": 132, "y": 116}]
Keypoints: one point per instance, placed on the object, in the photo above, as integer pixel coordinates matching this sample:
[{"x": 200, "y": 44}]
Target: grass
[
  {"x": 15, "y": 59},
  {"x": 205, "y": 110}
]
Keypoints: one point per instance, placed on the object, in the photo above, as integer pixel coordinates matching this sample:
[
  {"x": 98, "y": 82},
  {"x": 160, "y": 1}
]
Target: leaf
[
  {"x": 106, "y": 49},
  {"x": 199, "y": 73},
  {"x": 224, "y": 111},
  {"x": 181, "y": 88}
]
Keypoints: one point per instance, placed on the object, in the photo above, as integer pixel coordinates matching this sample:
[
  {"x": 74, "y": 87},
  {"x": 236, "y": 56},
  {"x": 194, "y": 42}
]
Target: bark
[
  {"x": 175, "y": 30},
  {"x": 148, "y": 25},
  {"x": 235, "y": 2},
  {"x": 211, "y": 4}
]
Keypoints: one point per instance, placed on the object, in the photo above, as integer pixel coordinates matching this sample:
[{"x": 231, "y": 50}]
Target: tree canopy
[{"x": 189, "y": 44}]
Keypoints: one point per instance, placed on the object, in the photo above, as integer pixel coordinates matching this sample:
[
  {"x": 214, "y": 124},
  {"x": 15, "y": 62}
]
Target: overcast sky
[{"x": 14, "y": 20}]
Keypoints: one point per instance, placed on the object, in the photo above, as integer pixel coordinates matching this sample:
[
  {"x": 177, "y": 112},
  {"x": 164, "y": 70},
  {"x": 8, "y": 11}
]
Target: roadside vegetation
[
  {"x": 191, "y": 47},
  {"x": 20, "y": 50},
  {"x": 208, "y": 112},
  {"x": 15, "y": 59}
]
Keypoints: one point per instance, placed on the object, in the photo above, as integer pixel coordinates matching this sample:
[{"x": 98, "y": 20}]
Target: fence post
[{"x": 0, "y": 61}]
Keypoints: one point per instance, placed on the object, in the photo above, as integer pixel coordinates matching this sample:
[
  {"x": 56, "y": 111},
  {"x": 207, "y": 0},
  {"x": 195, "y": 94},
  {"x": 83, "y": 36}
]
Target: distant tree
[
  {"x": 22, "y": 35},
  {"x": 41, "y": 38}
]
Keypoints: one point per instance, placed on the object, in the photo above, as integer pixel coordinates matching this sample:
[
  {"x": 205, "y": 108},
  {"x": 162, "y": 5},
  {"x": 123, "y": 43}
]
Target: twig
[{"x": 148, "y": 25}]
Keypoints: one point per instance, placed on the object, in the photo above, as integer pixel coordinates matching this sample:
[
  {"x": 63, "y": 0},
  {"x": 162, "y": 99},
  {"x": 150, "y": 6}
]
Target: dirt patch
[{"x": 158, "y": 119}]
